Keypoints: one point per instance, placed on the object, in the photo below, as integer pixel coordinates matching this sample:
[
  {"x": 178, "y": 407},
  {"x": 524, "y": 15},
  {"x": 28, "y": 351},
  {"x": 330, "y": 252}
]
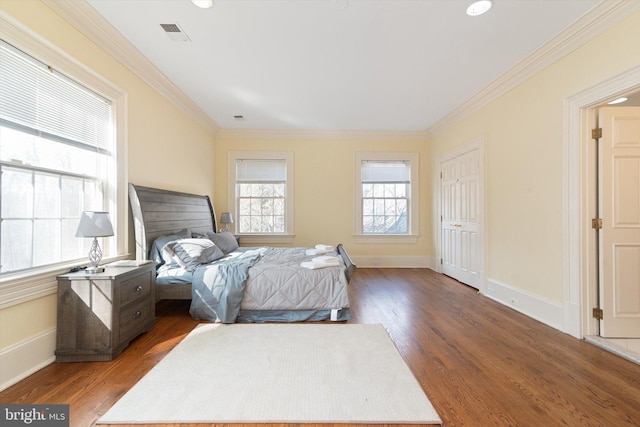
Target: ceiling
[{"x": 338, "y": 65}]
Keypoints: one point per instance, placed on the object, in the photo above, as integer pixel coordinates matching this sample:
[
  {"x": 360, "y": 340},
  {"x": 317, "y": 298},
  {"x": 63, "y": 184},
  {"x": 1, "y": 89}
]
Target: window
[
  {"x": 55, "y": 153},
  {"x": 386, "y": 202},
  {"x": 57, "y": 158},
  {"x": 385, "y": 196},
  {"x": 262, "y": 192}
]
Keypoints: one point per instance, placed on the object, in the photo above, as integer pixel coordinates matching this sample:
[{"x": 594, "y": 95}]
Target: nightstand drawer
[
  {"x": 134, "y": 288},
  {"x": 134, "y": 319}
]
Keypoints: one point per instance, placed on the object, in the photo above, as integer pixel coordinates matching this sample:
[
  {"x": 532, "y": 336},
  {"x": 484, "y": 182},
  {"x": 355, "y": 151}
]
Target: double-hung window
[
  {"x": 57, "y": 159},
  {"x": 262, "y": 195},
  {"x": 386, "y": 201}
]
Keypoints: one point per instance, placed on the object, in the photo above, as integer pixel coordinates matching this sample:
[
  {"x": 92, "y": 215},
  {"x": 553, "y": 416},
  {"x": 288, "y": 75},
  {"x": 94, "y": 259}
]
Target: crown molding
[
  {"x": 89, "y": 22},
  {"x": 291, "y": 134},
  {"x": 603, "y": 16}
]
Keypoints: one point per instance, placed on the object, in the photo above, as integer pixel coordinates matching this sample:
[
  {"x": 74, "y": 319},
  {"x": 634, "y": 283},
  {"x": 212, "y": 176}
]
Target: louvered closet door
[{"x": 460, "y": 218}]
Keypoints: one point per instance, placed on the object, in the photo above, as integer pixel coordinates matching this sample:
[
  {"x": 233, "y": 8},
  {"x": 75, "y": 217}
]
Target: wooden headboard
[{"x": 162, "y": 212}]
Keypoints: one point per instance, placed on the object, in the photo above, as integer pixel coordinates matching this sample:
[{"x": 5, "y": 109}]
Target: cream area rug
[{"x": 278, "y": 373}]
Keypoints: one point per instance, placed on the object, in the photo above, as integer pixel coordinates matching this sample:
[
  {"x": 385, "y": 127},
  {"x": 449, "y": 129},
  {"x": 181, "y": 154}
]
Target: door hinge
[
  {"x": 598, "y": 313},
  {"x": 596, "y": 223},
  {"x": 596, "y": 133},
  {"x": 440, "y": 261}
]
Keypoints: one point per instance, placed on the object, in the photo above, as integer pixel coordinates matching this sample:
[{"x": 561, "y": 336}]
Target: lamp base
[{"x": 95, "y": 255}]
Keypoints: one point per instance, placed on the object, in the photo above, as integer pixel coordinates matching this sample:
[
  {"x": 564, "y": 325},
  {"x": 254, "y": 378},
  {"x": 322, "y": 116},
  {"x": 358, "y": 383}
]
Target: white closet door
[{"x": 460, "y": 184}]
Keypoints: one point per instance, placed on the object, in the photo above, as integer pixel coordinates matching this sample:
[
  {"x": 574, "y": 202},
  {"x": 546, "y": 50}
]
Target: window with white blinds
[
  {"x": 386, "y": 192},
  {"x": 56, "y": 158},
  {"x": 263, "y": 196}
]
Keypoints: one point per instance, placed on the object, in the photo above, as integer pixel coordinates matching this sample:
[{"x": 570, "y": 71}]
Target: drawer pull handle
[
  {"x": 137, "y": 314},
  {"x": 137, "y": 289}
]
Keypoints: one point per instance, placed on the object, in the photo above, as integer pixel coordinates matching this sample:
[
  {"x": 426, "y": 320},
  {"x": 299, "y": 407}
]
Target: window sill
[
  {"x": 385, "y": 238},
  {"x": 261, "y": 239},
  {"x": 18, "y": 288}
]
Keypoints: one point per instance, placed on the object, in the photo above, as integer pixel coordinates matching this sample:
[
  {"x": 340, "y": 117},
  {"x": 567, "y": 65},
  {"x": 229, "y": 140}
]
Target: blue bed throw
[{"x": 217, "y": 289}]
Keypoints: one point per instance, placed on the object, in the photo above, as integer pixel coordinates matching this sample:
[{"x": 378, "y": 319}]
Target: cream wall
[
  {"x": 166, "y": 149},
  {"x": 324, "y": 189},
  {"x": 523, "y": 133}
]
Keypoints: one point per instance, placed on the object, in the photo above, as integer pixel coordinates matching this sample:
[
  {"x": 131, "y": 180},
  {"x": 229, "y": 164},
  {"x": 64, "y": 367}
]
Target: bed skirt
[{"x": 260, "y": 316}]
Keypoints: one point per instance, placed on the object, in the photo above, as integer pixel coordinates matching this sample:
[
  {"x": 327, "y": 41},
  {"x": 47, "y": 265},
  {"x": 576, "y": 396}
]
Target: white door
[
  {"x": 619, "y": 205},
  {"x": 460, "y": 229}
]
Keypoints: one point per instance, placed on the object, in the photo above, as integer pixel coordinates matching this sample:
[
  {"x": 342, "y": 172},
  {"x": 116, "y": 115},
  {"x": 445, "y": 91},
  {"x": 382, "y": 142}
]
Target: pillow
[
  {"x": 190, "y": 253},
  {"x": 224, "y": 240},
  {"x": 156, "y": 254}
]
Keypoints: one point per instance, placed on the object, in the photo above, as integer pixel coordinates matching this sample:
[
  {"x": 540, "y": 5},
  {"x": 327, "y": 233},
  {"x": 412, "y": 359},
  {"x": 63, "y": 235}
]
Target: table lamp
[
  {"x": 94, "y": 224},
  {"x": 226, "y": 218}
]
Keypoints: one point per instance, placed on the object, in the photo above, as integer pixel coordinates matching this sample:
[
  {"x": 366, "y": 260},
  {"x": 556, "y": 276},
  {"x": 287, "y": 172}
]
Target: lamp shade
[
  {"x": 94, "y": 224},
  {"x": 226, "y": 218}
]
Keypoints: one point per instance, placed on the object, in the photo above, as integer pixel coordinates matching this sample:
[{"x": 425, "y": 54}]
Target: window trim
[
  {"x": 410, "y": 237},
  {"x": 256, "y": 238},
  {"x": 17, "y": 288}
]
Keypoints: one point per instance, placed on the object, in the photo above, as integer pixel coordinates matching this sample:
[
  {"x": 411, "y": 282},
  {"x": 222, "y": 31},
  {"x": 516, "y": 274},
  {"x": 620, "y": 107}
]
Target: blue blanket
[{"x": 217, "y": 289}]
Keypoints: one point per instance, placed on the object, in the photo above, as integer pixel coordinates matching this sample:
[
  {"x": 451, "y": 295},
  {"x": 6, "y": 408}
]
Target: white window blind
[
  {"x": 261, "y": 170},
  {"x": 37, "y": 99},
  {"x": 386, "y": 171}
]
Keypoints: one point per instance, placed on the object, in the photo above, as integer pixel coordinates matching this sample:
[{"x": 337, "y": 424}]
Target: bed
[{"x": 246, "y": 284}]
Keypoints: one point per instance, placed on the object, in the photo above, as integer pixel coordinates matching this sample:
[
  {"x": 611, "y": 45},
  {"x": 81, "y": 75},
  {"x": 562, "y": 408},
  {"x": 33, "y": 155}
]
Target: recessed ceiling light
[
  {"x": 479, "y": 7},
  {"x": 204, "y": 4},
  {"x": 617, "y": 101}
]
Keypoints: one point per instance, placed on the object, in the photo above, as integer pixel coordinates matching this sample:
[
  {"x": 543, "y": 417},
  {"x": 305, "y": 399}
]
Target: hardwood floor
[{"x": 480, "y": 363}]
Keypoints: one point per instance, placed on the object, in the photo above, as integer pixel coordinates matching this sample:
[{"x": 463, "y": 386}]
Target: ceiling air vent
[{"x": 175, "y": 33}]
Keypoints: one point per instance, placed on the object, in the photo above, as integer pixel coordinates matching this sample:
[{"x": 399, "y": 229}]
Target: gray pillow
[
  {"x": 190, "y": 253},
  {"x": 156, "y": 253},
  {"x": 224, "y": 240}
]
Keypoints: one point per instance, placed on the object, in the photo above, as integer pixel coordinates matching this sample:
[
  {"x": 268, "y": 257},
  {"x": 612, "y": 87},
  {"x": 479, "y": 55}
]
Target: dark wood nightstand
[{"x": 99, "y": 314}]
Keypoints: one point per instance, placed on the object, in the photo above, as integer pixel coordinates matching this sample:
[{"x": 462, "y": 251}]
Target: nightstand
[{"x": 100, "y": 314}]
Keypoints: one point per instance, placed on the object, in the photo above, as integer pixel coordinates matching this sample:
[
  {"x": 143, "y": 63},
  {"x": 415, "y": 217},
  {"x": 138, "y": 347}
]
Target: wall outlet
[{"x": 514, "y": 301}]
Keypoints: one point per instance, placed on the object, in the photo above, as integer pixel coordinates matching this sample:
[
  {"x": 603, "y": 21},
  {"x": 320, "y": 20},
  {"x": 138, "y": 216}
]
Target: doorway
[
  {"x": 615, "y": 199},
  {"x": 579, "y": 286}
]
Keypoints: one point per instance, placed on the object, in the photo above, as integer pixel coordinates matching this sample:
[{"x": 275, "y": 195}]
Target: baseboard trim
[
  {"x": 541, "y": 309},
  {"x": 571, "y": 316},
  {"x": 376, "y": 261},
  {"x": 22, "y": 359}
]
